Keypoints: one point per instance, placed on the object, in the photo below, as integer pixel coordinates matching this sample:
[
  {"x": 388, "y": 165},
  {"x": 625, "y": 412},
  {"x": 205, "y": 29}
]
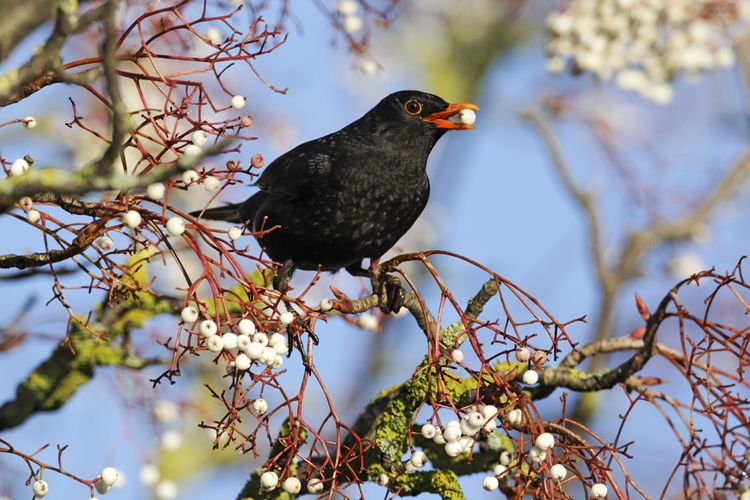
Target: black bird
[{"x": 350, "y": 195}]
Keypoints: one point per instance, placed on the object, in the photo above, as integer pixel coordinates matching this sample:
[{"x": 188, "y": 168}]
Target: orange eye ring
[{"x": 413, "y": 107}]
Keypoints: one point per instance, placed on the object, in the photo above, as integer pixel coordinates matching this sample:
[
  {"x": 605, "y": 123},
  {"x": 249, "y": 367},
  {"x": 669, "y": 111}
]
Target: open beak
[{"x": 440, "y": 119}]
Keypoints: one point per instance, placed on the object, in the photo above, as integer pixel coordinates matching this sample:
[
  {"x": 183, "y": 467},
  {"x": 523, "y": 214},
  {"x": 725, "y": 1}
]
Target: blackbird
[{"x": 350, "y": 195}]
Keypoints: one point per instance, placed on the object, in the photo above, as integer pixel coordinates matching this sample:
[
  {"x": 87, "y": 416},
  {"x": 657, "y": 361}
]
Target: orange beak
[{"x": 440, "y": 119}]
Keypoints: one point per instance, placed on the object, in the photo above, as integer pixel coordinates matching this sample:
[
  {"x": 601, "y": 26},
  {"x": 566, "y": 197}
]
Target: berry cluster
[{"x": 644, "y": 44}]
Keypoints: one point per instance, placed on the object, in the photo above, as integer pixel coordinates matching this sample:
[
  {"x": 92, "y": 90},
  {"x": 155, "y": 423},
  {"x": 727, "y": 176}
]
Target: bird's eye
[{"x": 413, "y": 107}]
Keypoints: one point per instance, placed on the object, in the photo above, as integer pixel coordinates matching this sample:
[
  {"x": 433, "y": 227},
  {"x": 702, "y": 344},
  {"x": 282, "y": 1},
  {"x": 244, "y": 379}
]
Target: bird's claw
[
  {"x": 310, "y": 332},
  {"x": 295, "y": 340},
  {"x": 392, "y": 294}
]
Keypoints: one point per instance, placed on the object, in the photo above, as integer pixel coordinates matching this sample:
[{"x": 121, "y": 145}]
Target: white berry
[
  {"x": 452, "y": 433},
  {"x": 490, "y": 483},
  {"x": 149, "y": 474},
  {"x": 207, "y": 328},
  {"x": 369, "y": 322},
  {"x": 269, "y": 356},
  {"x": 439, "y": 438},
  {"x": 246, "y": 327},
  {"x": 243, "y": 342},
  {"x": 457, "y": 356},
  {"x": 467, "y": 117},
  {"x": 214, "y": 35},
  {"x": 505, "y": 458},
  {"x": 171, "y": 440},
  {"x": 275, "y": 339},
  {"x": 467, "y": 444},
  {"x": 261, "y": 338},
  {"x": 191, "y": 151},
  {"x": 40, "y": 488},
  {"x": 475, "y": 419},
  {"x": 545, "y": 441},
  {"x": 347, "y": 7},
  {"x": 33, "y": 216},
  {"x": 523, "y": 355},
  {"x": 500, "y": 470},
  {"x": 537, "y": 455},
  {"x": 239, "y": 101},
  {"x": 165, "y": 411},
  {"x": 467, "y": 429},
  {"x": 558, "y": 472},
  {"x": 199, "y": 138},
  {"x": 428, "y": 431},
  {"x": 166, "y": 490},
  {"x": 326, "y": 305},
  {"x": 352, "y": 23},
  {"x": 269, "y": 480},
  {"x": 189, "y": 177},
  {"x": 254, "y": 351},
  {"x": 189, "y": 314},
  {"x": 235, "y": 233},
  {"x": 109, "y": 475},
  {"x": 277, "y": 362},
  {"x": 530, "y": 377},
  {"x": 242, "y": 362},
  {"x": 132, "y": 219},
  {"x": 18, "y": 168},
  {"x": 418, "y": 459},
  {"x": 382, "y": 479},
  {"x": 156, "y": 191},
  {"x": 292, "y": 485},
  {"x": 281, "y": 348},
  {"x": 101, "y": 487},
  {"x": 215, "y": 343},
  {"x": 260, "y": 406},
  {"x": 211, "y": 183},
  {"x": 489, "y": 411},
  {"x": 599, "y": 490},
  {"x": 515, "y": 416},
  {"x": 367, "y": 65},
  {"x": 29, "y": 122},
  {"x": 105, "y": 243},
  {"x": 315, "y": 485},
  {"x": 286, "y": 318},
  {"x": 453, "y": 448},
  {"x": 175, "y": 226},
  {"x": 230, "y": 340}
]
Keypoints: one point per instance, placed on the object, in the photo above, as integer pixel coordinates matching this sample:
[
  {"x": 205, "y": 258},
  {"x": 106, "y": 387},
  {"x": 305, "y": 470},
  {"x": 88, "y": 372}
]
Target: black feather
[{"x": 346, "y": 196}]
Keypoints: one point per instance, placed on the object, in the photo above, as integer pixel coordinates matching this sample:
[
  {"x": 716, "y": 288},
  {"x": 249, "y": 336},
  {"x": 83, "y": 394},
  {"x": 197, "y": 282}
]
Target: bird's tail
[{"x": 229, "y": 213}]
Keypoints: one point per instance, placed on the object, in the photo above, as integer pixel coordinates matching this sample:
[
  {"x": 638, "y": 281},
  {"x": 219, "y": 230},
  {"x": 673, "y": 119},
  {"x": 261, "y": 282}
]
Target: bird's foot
[
  {"x": 297, "y": 344},
  {"x": 392, "y": 294},
  {"x": 305, "y": 323},
  {"x": 294, "y": 336},
  {"x": 283, "y": 277}
]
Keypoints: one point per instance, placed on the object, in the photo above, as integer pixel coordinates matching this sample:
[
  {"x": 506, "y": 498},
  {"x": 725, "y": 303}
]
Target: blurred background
[{"x": 648, "y": 148}]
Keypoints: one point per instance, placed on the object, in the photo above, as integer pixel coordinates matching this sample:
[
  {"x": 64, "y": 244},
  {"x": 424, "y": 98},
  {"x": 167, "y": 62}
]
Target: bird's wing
[{"x": 299, "y": 171}]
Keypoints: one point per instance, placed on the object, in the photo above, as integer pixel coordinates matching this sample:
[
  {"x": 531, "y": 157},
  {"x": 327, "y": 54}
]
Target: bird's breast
[{"x": 355, "y": 215}]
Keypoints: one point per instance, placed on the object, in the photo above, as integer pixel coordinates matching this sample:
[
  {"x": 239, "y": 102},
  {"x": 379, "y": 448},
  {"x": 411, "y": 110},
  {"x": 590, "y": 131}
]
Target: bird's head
[{"x": 422, "y": 111}]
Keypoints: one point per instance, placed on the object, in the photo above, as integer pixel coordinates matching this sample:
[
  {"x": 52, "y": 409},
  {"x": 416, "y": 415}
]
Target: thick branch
[
  {"x": 565, "y": 376},
  {"x": 19, "y": 19},
  {"x": 53, "y": 382}
]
